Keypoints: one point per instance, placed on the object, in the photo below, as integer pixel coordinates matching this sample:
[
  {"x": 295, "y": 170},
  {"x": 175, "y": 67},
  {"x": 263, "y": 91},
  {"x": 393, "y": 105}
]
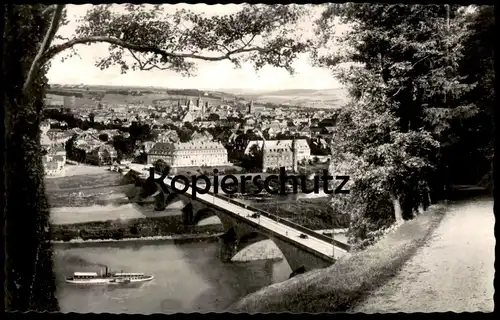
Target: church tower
[
  {"x": 199, "y": 103},
  {"x": 264, "y": 155},
  {"x": 250, "y": 107},
  {"x": 294, "y": 155},
  {"x": 204, "y": 109}
]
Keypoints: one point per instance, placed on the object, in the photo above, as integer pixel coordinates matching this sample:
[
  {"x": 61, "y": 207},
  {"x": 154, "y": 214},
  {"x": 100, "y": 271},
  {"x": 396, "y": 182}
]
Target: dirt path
[{"x": 454, "y": 271}]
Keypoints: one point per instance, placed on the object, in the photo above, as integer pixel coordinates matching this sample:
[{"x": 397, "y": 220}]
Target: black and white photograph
[{"x": 248, "y": 158}]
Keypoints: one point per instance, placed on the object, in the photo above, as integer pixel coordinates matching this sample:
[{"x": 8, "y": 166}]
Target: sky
[{"x": 210, "y": 75}]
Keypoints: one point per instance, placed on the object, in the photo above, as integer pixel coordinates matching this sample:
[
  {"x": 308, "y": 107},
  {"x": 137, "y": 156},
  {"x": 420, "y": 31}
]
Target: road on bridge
[
  {"x": 267, "y": 223},
  {"x": 454, "y": 271}
]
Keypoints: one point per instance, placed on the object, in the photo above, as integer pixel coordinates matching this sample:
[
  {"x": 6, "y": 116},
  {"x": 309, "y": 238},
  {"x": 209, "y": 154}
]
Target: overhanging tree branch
[
  {"x": 49, "y": 9},
  {"x": 146, "y": 38},
  {"x": 38, "y": 62},
  {"x": 54, "y": 50}
]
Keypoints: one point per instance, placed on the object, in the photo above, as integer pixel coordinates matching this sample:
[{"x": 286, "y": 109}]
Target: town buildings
[
  {"x": 54, "y": 158},
  {"x": 206, "y": 120},
  {"x": 189, "y": 154},
  {"x": 102, "y": 155},
  {"x": 281, "y": 153}
]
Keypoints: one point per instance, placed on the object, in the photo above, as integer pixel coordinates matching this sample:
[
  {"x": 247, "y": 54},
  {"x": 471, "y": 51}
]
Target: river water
[{"x": 188, "y": 277}]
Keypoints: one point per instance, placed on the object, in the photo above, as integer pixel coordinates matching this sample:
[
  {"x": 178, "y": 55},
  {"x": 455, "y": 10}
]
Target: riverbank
[
  {"x": 166, "y": 226},
  {"x": 175, "y": 239},
  {"x": 350, "y": 279}
]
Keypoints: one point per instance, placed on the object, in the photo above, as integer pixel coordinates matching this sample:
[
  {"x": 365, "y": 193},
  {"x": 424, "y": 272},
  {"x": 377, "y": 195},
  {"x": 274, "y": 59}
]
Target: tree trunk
[
  {"x": 398, "y": 212},
  {"x": 30, "y": 281}
]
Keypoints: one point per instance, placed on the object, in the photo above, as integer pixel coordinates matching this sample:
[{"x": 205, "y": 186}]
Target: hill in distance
[{"x": 324, "y": 98}]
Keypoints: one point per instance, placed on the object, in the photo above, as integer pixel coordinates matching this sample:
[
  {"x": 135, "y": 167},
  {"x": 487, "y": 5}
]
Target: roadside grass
[{"x": 338, "y": 288}]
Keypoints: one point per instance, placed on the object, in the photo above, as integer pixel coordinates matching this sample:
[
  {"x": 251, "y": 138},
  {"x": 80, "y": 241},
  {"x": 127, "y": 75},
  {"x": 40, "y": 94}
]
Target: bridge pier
[
  {"x": 188, "y": 214},
  {"x": 230, "y": 243},
  {"x": 298, "y": 260}
]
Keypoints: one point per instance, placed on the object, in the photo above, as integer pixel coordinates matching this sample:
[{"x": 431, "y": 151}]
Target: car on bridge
[
  {"x": 254, "y": 215},
  {"x": 303, "y": 236}
]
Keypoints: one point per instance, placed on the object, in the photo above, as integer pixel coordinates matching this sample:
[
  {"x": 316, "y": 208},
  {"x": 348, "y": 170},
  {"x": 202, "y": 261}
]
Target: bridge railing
[
  {"x": 276, "y": 218},
  {"x": 291, "y": 224},
  {"x": 286, "y": 222}
]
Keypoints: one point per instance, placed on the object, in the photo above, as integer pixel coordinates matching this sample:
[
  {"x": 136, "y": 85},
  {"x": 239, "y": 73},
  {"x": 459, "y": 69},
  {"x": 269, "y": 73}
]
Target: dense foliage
[
  {"x": 30, "y": 281},
  {"x": 398, "y": 137}
]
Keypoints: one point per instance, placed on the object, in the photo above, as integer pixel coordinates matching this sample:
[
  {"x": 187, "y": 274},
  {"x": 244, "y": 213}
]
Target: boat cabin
[
  {"x": 129, "y": 275},
  {"x": 84, "y": 275}
]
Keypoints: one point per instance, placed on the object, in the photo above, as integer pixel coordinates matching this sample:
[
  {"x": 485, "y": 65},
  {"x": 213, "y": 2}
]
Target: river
[{"x": 188, "y": 278}]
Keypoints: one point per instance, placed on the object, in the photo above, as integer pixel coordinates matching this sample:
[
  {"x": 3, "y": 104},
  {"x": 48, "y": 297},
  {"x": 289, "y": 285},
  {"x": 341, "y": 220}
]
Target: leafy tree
[
  {"x": 184, "y": 134},
  {"x": 124, "y": 146},
  {"x": 252, "y": 135},
  {"x": 406, "y": 92},
  {"x": 189, "y": 126},
  {"x": 140, "y": 132},
  {"x": 254, "y": 158},
  {"x": 260, "y": 34},
  {"x": 475, "y": 143},
  {"x": 30, "y": 281},
  {"x": 104, "y": 137},
  {"x": 91, "y": 117},
  {"x": 213, "y": 117}
]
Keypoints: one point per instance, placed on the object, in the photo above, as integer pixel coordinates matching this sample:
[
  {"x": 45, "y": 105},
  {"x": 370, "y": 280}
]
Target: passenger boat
[{"x": 108, "y": 278}]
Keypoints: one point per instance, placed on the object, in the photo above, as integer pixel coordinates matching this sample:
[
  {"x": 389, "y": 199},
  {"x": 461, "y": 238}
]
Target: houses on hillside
[
  {"x": 54, "y": 160},
  {"x": 102, "y": 155}
]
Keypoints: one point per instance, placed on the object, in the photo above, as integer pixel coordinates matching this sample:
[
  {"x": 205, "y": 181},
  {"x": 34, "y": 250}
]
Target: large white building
[{"x": 190, "y": 154}]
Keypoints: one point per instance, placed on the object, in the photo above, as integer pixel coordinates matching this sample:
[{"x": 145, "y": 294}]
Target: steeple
[
  {"x": 294, "y": 154},
  {"x": 204, "y": 108},
  {"x": 199, "y": 103},
  {"x": 263, "y": 154}
]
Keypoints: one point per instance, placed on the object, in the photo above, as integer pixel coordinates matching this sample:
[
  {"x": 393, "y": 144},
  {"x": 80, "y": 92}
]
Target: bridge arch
[
  {"x": 202, "y": 214},
  {"x": 240, "y": 235}
]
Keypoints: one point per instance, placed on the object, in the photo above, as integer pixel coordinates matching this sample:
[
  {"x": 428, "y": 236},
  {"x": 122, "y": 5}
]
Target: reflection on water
[{"x": 188, "y": 278}]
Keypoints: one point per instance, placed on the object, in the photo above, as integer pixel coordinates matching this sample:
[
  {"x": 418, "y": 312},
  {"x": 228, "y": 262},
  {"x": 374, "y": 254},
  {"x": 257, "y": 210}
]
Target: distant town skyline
[{"x": 210, "y": 75}]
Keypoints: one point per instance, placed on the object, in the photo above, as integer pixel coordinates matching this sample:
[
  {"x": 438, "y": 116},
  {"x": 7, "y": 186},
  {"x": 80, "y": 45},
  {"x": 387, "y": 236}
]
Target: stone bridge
[{"x": 304, "y": 249}]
